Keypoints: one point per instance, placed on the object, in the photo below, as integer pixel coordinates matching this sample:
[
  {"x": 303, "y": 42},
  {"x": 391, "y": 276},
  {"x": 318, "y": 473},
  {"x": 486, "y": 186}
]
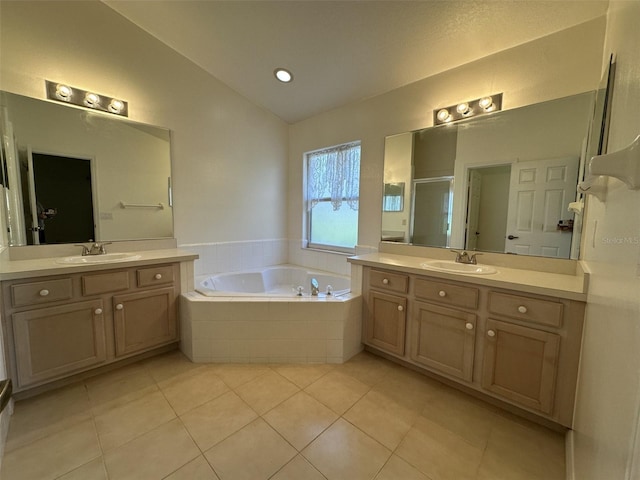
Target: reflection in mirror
[
  {"x": 68, "y": 175},
  {"x": 500, "y": 183},
  {"x": 393, "y": 197}
]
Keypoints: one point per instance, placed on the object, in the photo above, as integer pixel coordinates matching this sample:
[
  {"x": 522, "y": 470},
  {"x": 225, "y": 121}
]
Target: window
[{"x": 333, "y": 195}]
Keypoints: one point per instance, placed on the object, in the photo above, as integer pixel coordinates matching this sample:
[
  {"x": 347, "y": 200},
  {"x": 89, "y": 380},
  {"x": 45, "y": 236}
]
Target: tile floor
[{"x": 167, "y": 418}]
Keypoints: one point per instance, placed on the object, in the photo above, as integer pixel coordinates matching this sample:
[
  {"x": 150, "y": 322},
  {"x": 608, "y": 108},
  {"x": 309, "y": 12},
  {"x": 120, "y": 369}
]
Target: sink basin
[
  {"x": 93, "y": 259},
  {"x": 454, "y": 267}
]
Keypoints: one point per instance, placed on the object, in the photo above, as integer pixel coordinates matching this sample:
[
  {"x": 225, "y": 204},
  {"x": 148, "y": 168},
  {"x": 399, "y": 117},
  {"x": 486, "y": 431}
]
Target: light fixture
[
  {"x": 91, "y": 100},
  {"x": 63, "y": 92},
  {"x": 471, "y": 108},
  {"x": 75, "y": 96},
  {"x": 283, "y": 75},
  {"x": 486, "y": 103},
  {"x": 443, "y": 115},
  {"x": 115, "y": 106},
  {"x": 463, "y": 108}
]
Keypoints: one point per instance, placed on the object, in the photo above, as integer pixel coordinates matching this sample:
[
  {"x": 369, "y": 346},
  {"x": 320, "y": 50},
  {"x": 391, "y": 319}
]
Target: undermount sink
[
  {"x": 92, "y": 259},
  {"x": 454, "y": 267}
]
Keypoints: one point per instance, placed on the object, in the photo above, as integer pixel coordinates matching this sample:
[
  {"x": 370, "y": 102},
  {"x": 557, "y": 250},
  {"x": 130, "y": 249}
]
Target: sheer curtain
[{"x": 334, "y": 174}]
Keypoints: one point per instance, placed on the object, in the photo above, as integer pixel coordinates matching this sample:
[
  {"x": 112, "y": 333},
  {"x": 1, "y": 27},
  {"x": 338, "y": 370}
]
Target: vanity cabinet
[
  {"x": 143, "y": 320},
  {"x": 61, "y": 325},
  {"x": 443, "y": 339},
  {"x": 54, "y": 341},
  {"x": 521, "y": 364},
  {"x": 386, "y": 311},
  {"x": 520, "y": 348}
]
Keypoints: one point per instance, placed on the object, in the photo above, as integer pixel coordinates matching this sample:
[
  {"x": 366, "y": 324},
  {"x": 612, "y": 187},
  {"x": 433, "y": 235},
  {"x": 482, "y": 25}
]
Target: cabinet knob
[
  {"x": 98, "y": 311},
  {"x": 522, "y": 309},
  {"x": 491, "y": 333},
  {"x": 385, "y": 281},
  {"x": 44, "y": 292},
  {"x": 469, "y": 326},
  {"x": 119, "y": 306},
  {"x": 442, "y": 293},
  {"x": 157, "y": 276},
  {"x": 400, "y": 308}
]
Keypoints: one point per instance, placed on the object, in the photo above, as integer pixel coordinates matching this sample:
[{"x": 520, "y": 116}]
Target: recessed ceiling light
[{"x": 284, "y": 75}]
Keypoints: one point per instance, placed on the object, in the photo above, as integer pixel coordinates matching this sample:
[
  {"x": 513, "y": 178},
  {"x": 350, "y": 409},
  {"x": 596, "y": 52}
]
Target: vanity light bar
[
  {"x": 472, "y": 108},
  {"x": 82, "y": 98}
]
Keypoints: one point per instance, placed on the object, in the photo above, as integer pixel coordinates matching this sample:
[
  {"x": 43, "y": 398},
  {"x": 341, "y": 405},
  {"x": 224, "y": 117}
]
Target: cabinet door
[
  {"x": 56, "y": 341},
  {"x": 520, "y": 364},
  {"x": 144, "y": 320},
  {"x": 443, "y": 339},
  {"x": 385, "y": 322}
]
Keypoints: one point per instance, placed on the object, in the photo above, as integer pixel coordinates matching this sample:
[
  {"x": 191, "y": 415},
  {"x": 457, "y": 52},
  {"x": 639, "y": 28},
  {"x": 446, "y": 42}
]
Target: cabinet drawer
[
  {"x": 536, "y": 310},
  {"x": 393, "y": 282},
  {"x": 41, "y": 292},
  {"x": 104, "y": 283},
  {"x": 155, "y": 276},
  {"x": 446, "y": 293}
]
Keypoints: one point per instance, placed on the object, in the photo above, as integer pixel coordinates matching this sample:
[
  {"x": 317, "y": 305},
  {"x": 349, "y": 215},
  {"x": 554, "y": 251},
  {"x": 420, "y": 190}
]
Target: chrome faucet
[
  {"x": 94, "y": 249},
  {"x": 464, "y": 257},
  {"x": 315, "y": 288}
]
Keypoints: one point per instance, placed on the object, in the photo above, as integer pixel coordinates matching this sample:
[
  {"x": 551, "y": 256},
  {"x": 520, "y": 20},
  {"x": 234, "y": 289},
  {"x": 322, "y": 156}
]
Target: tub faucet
[{"x": 315, "y": 288}]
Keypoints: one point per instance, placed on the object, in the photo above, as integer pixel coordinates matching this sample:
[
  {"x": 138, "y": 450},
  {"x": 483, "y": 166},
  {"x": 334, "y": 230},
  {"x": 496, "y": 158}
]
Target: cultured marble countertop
[
  {"x": 41, "y": 267},
  {"x": 572, "y": 287}
]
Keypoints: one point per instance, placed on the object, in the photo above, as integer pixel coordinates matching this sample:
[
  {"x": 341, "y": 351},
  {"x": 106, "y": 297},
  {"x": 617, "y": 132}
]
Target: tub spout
[{"x": 315, "y": 288}]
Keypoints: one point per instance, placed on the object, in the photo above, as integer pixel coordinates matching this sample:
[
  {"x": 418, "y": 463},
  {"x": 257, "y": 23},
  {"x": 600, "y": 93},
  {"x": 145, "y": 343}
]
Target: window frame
[{"x": 308, "y": 212}]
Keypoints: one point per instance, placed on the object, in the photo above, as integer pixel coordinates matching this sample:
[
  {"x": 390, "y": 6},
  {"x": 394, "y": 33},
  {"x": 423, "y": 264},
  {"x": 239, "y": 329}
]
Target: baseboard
[{"x": 569, "y": 455}]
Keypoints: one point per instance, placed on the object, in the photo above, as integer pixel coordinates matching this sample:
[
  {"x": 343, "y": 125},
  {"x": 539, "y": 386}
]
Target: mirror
[
  {"x": 73, "y": 176},
  {"x": 497, "y": 183}
]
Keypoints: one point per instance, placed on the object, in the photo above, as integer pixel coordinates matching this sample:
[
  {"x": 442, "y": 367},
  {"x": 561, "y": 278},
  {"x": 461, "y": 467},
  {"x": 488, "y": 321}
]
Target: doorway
[{"x": 60, "y": 190}]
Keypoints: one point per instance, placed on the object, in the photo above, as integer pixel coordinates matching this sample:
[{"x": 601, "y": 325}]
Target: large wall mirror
[
  {"x": 498, "y": 183},
  {"x": 72, "y": 176}
]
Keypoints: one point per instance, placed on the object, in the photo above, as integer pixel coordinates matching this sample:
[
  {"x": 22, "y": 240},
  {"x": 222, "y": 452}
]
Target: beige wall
[
  {"x": 555, "y": 66},
  {"x": 229, "y": 156},
  {"x": 608, "y": 400}
]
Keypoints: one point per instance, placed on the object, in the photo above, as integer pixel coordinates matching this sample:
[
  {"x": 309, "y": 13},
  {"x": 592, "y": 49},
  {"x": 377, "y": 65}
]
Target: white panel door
[{"x": 539, "y": 195}]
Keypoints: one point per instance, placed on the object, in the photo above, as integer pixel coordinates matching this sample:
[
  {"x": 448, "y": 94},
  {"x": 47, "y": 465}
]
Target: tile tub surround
[
  {"x": 270, "y": 330},
  {"x": 168, "y": 418}
]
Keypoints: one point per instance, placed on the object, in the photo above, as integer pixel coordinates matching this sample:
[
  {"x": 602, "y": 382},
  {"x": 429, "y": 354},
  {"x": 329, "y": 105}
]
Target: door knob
[{"x": 512, "y": 237}]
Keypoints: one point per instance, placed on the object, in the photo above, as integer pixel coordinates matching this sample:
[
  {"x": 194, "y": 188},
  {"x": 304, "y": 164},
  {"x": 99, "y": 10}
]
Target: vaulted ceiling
[{"x": 343, "y": 51}]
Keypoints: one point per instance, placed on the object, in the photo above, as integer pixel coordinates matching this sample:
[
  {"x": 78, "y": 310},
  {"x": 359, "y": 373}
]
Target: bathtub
[
  {"x": 258, "y": 316},
  {"x": 277, "y": 281}
]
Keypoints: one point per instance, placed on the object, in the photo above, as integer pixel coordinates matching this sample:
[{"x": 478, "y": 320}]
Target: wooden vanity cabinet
[
  {"x": 61, "y": 325},
  {"x": 386, "y": 311},
  {"x": 143, "y": 320},
  {"x": 521, "y": 363},
  {"x": 443, "y": 339},
  {"x": 520, "y": 348},
  {"x": 54, "y": 341}
]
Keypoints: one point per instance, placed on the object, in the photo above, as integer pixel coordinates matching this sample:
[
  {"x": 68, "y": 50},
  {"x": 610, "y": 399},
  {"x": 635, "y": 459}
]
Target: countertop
[
  {"x": 572, "y": 287},
  {"x": 41, "y": 267}
]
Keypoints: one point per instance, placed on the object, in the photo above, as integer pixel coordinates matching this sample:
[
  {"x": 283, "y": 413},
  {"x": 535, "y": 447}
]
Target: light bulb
[
  {"x": 284, "y": 75},
  {"x": 443, "y": 115},
  {"x": 91, "y": 100},
  {"x": 463, "y": 108},
  {"x": 63, "y": 92},
  {"x": 486, "y": 103},
  {"x": 116, "y": 106}
]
